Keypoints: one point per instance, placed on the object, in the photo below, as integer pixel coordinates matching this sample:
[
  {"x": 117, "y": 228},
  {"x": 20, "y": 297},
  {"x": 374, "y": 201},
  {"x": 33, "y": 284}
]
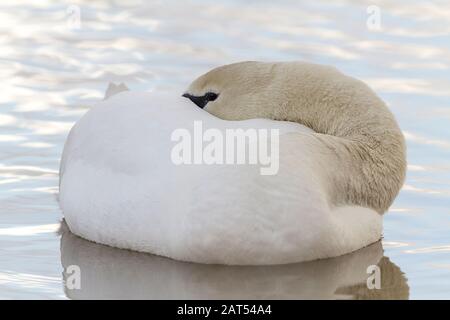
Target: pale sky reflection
[{"x": 53, "y": 74}]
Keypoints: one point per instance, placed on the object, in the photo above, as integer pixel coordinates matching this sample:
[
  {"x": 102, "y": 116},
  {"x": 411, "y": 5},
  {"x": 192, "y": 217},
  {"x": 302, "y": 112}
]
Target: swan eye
[{"x": 211, "y": 96}]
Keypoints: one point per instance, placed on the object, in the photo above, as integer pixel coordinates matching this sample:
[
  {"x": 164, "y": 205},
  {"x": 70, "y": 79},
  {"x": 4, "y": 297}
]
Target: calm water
[{"x": 51, "y": 72}]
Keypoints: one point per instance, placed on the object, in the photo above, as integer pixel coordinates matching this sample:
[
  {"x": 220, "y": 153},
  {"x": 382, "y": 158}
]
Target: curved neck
[
  {"x": 366, "y": 153},
  {"x": 366, "y": 170}
]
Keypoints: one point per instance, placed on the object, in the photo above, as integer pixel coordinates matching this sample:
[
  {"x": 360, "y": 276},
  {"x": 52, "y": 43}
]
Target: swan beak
[{"x": 199, "y": 101}]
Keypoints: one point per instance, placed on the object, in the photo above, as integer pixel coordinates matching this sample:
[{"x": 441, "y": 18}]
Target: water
[{"x": 52, "y": 71}]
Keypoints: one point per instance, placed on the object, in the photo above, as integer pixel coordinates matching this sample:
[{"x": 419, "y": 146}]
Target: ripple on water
[{"x": 53, "y": 73}]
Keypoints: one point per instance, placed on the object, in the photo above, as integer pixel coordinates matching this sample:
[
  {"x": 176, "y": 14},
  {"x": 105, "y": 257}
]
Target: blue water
[{"x": 51, "y": 72}]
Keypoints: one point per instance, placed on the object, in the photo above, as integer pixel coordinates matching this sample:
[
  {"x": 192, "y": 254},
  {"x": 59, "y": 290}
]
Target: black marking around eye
[
  {"x": 211, "y": 96},
  {"x": 202, "y": 101}
]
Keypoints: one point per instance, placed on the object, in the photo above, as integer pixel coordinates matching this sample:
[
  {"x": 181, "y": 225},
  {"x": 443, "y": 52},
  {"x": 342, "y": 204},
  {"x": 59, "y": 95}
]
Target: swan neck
[{"x": 366, "y": 160}]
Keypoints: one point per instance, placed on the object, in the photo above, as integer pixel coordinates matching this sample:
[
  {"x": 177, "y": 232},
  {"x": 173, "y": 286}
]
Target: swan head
[
  {"x": 238, "y": 91},
  {"x": 317, "y": 96},
  {"x": 291, "y": 91}
]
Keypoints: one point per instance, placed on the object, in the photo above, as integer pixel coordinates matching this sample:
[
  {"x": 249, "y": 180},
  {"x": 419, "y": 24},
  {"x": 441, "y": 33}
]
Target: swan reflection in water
[{"x": 110, "y": 273}]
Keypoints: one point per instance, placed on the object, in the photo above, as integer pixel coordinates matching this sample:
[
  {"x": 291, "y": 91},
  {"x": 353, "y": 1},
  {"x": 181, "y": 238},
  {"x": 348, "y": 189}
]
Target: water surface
[{"x": 52, "y": 71}]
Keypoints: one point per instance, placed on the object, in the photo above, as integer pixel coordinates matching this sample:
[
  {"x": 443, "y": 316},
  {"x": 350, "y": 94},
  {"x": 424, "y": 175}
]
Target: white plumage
[{"x": 119, "y": 187}]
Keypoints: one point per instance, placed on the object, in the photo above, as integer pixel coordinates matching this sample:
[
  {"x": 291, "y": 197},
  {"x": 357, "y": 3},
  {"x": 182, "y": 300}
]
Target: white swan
[{"x": 118, "y": 185}]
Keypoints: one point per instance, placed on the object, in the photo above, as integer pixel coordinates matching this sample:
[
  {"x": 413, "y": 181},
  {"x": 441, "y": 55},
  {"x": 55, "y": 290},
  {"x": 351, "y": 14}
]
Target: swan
[{"x": 341, "y": 162}]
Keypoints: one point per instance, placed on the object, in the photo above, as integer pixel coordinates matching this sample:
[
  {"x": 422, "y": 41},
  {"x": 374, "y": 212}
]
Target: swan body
[{"x": 120, "y": 187}]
